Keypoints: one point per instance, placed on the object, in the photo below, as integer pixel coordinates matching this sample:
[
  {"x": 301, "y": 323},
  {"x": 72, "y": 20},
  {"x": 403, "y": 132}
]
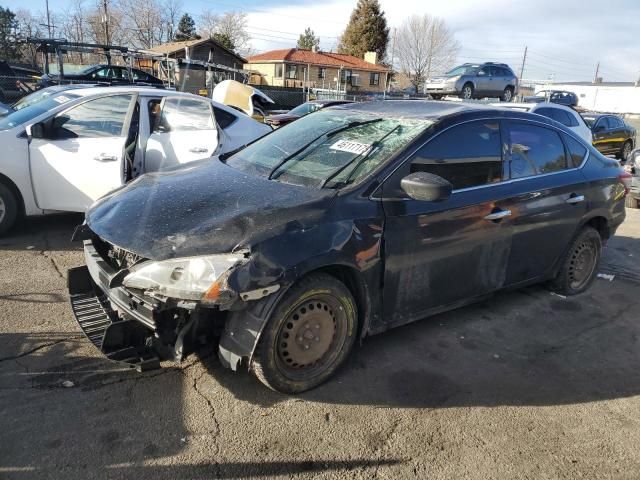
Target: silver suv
[{"x": 473, "y": 80}]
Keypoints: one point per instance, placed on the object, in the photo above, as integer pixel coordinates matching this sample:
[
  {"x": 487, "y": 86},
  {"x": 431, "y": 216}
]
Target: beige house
[{"x": 293, "y": 67}]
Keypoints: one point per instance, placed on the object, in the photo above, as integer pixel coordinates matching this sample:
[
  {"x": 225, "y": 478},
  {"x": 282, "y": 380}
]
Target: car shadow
[
  {"x": 63, "y": 404},
  {"x": 523, "y": 347},
  {"x": 49, "y": 232}
]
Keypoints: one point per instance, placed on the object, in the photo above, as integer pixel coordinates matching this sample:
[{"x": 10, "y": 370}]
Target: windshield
[
  {"x": 305, "y": 109},
  {"x": 463, "y": 70},
  {"x": 590, "y": 121},
  {"x": 37, "y": 97},
  {"x": 29, "y": 112},
  {"x": 328, "y": 147}
]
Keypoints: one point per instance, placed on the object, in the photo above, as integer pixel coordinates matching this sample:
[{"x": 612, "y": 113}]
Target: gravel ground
[{"x": 524, "y": 385}]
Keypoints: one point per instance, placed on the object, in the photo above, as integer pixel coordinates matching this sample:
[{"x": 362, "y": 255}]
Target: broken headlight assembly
[{"x": 190, "y": 278}]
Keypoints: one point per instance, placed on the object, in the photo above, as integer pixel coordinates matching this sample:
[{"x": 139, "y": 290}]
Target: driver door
[
  {"x": 81, "y": 158},
  {"x": 185, "y": 130}
]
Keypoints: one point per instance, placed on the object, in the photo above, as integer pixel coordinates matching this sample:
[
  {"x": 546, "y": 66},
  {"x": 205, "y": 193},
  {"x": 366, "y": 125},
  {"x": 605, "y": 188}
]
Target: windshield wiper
[
  {"x": 328, "y": 134},
  {"x": 341, "y": 169}
]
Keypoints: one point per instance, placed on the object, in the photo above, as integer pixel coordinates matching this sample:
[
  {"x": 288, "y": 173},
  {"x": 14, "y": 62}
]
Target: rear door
[
  {"x": 484, "y": 81},
  {"x": 185, "y": 130},
  {"x": 548, "y": 198},
  {"x": 82, "y": 159},
  {"x": 440, "y": 253},
  {"x": 602, "y": 135}
]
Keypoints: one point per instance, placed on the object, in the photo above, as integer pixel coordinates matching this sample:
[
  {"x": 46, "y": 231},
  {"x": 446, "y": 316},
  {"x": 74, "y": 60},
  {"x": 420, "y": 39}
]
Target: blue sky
[{"x": 566, "y": 38}]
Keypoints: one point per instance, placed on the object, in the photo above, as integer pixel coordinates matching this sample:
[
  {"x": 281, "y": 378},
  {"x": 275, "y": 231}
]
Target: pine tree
[
  {"x": 225, "y": 40},
  {"x": 8, "y": 28},
  {"x": 367, "y": 31},
  {"x": 308, "y": 40},
  {"x": 186, "y": 29}
]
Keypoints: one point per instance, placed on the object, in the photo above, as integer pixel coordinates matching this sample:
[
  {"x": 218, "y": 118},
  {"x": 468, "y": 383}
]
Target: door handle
[
  {"x": 198, "y": 150},
  {"x": 105, "y": 157},
  {"x": 573, "y": 199},
  {"x": 499, "y": 215}
]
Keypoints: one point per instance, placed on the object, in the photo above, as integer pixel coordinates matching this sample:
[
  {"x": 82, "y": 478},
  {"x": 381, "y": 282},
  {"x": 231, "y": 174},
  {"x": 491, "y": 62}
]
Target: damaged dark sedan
[{"x": 346, "y": 223}]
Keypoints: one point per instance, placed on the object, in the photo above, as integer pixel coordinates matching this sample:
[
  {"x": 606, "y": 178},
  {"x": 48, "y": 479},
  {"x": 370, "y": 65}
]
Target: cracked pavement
[{"x": 524, "y": 385}]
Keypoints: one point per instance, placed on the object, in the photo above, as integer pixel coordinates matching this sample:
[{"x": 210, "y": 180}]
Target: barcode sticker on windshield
[
  {"x": 61, "y": 99},
  {"x": 351, "y": 147}
]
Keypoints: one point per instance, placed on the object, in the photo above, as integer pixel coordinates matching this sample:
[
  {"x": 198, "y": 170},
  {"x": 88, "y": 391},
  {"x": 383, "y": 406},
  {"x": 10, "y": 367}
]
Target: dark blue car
[{"x": 340, "y": 225}]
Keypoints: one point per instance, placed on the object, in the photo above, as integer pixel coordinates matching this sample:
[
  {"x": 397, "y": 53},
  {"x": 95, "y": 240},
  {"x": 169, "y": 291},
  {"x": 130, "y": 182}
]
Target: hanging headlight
[{"x": 190, "y": 278}]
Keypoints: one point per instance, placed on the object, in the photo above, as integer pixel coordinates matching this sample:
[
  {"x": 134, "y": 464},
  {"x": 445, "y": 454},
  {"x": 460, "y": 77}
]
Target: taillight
[{"x": 625, "y": 179}]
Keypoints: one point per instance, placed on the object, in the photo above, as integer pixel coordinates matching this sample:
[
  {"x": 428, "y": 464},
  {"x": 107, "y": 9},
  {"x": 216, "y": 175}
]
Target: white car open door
[
  {"x": 185, "y": 130},
  {"x": 80, "y": 158}
]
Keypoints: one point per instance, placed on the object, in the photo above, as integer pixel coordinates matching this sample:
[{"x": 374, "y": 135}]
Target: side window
[
  {"x": 466, "y": 155},
  {"x": 616, "y": 122},
  {"x": 139, "y": 75},
  {"x": 153, "y": 108},
  {"x": 184, "y": 115},
  {"x": 102, "y": 117},
  {"x": 224, "y": 118},
  {"x": 577, "y": 151},
  {"x": 535, "y": 150}
]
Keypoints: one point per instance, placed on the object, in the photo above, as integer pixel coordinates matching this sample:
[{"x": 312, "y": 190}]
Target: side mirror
[
  {"x": 426, "y": 187},
  {"x": 38, "y": 130}
]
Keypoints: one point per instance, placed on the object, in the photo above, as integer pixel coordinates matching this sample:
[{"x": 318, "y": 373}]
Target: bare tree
[
  {"x": 172, "y": 12},
  {"x": 425, "y": 46},
  {"x": 75, "y": 26},
  {"x": 29, "y": 25},
  {"x": 144, "y": 21},
  {"x": 233, "y": 27},
  {"x": 207, "y": 23}
]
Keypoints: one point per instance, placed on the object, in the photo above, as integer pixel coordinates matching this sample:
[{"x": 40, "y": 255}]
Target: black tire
[
  {"x": 9, "y": 208},
  {"x": 507, "y": 95},
  {"x": 580, "y": 265},
  {"x": 467, "y": 91},
  {"x": 317, "y": 303},
  {"x": 631, "y": 202},
  {"x": 435, "y": 96},
  {"x": 626, "y": 149}
]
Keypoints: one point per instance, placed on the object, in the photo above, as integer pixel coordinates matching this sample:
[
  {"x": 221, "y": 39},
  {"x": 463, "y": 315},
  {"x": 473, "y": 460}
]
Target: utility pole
[
  {"x": 524, "y": 59},
  {"x": 595, "y": 78},
  {"x": 105, "y": 19},
  {"x": 48, "y": 18}
]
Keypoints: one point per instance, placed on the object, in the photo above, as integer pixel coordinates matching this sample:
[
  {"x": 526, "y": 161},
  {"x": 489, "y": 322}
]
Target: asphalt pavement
[{"x": 524, "y": 385}]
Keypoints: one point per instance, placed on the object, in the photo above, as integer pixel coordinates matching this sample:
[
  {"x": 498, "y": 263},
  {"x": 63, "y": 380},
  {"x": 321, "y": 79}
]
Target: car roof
[
  {"x": 427, "y": 109},
  {"x": 330, "y": 102},
  {"x": 101, "y": 90},
  {"x": 532, "y": 106}
]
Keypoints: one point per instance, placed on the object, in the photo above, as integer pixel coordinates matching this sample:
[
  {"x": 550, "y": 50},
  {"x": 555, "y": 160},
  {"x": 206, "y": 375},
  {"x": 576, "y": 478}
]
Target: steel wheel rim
[
  {"x": 507, "y": 95},
  {"x": 582, "y": 264},
  {"x": 466, "y": 93},
  {"x": 311, "y": 337},
  {"x": 3, "y": 209},
  {"x": 626, "y": 151}
]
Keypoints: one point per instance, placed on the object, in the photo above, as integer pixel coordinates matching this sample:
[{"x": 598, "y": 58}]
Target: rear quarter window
[
  {"x": 224, "y": 118},
  {"x": 577, "y": 151}
]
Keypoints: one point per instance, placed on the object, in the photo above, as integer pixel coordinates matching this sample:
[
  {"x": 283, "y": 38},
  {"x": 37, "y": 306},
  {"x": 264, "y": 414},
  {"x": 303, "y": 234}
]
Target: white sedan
[
  {"x": 70, "y": 148},
  {"x": 565, "y": 115}
]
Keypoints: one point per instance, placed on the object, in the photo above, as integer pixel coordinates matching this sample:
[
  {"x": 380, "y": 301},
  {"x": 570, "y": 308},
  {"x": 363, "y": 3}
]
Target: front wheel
[
  {"x": 580, "y": 264},
  {"x": 467, "y": 92},
  {"x": 308, "y": 336},
  {"x": 8, "y": 209},
  {"x": 625, "y": 152}
]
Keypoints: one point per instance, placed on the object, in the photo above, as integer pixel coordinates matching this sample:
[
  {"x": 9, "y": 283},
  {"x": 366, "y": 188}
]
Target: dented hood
[{"x": 202, "y": 209}]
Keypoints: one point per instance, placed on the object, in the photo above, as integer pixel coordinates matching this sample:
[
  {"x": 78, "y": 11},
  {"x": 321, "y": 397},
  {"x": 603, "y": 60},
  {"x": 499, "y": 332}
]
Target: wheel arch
[
  {"x": 243, "y": 328},
  {"x": 600, "y": 224}
]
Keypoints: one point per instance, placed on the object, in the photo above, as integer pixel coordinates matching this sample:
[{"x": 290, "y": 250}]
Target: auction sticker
[
  {"x": 351, "y": 147},
  {"x": 61, "y": 99}
]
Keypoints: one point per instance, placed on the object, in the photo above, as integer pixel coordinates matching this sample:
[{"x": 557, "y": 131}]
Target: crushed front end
[{"x": 139, "y": 326}]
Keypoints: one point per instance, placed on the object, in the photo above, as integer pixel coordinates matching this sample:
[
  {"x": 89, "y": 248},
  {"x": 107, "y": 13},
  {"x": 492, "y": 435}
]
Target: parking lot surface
[{"x": 524, "y": 385}]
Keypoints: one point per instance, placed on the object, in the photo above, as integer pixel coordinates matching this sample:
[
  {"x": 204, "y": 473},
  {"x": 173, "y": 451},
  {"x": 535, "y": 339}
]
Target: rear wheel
[
  {"x": 625, "y": 151},
  {"x": 579, "y": 266},
  {"x": 507, "y": 95},
  {"x": 467, "y": 92},
  {"x": 308, "y": 336},
  {"x": 8, "y": 208}
]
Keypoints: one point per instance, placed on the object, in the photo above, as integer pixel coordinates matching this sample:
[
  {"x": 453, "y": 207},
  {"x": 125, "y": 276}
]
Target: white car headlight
[
  {"x": 453, "y": 79},
  {"x": 190, "y": 278}
]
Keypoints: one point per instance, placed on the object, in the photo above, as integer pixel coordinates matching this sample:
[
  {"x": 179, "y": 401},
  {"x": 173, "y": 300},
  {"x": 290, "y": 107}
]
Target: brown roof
[
  {"x": 329, "y": 59},
  {"x": 172, "y": 47}
]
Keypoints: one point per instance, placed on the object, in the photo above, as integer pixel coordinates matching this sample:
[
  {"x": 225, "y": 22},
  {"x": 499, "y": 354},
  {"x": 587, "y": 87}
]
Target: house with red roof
[{"x": 296, "y": 67}]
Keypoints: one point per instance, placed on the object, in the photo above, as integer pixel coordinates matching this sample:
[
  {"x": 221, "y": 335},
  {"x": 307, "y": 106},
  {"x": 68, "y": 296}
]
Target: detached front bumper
[{"x": 120, "y": 324}]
